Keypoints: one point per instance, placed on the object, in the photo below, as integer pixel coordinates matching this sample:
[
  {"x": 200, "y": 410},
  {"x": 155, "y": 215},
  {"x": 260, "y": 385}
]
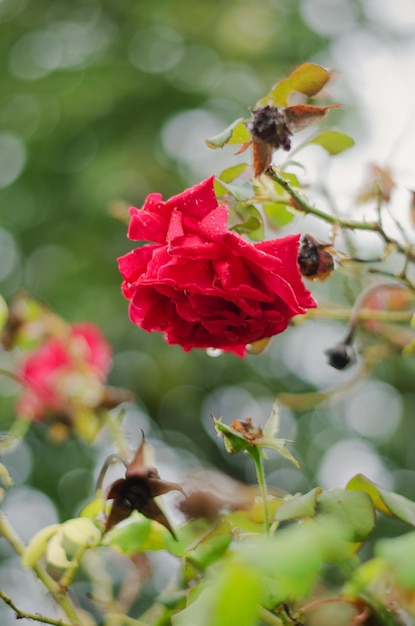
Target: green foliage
[
  {"x": 251, "y": 563},
  {"x": 308, "y": 79},
  {"x": 333, "y": 141}
]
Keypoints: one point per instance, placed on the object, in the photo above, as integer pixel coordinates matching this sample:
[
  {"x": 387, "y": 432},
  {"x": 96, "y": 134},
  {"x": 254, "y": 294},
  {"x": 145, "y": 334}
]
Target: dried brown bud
[
  {"x": 268, "y": 125},
  {"x": 341, "y": 356},
  {"x": 137, "y": 492},
  {"x": 317, "y": 260}
]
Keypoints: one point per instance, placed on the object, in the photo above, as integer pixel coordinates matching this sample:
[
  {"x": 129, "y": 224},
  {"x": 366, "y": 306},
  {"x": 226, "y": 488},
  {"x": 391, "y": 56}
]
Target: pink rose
[
  {"x": 203, "y": 285},
  {"x": 64, "y": 372}
]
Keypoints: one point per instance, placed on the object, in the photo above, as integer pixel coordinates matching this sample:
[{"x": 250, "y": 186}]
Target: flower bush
[
  {"x": 203, "y": 285},
  {"x": 203, "y": 276}
]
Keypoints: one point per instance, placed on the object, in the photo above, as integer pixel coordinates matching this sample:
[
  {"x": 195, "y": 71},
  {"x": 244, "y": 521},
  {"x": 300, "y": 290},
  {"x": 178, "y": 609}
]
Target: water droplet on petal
[{"x": 214, "y": 352}]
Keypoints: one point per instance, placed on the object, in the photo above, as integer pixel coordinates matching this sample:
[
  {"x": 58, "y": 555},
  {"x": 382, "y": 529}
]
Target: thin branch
[
  {"x": 362, "y": 315},
  {"x": 270, "y": 619},
  {"x": 374, "y": 226},
  {"x": 37, "y": 617},
  {"x": 60, "y": 598}
]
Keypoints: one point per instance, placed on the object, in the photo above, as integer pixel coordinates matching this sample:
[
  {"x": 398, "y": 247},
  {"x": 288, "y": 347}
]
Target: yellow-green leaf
[
  {"x": 236, "y": 133},
  {"x": 307, "y": 79},
  {"x": 303, "y": 505},
  {"x": 36, "y": 547},
  {"x": 384, "y": 501},
  {"x": 333, "y": 141},
  {"x": 228, "y": 175}
]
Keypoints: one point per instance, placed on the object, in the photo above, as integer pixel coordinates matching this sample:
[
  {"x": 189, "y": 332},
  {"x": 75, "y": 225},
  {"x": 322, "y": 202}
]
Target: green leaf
[
  {"x": 234, "y": 442},
  {"x": 236, "y": 133},
  {"x": 292, "y": 558},
  {"x": 333, "y": 141},
  {"x": 232, "y": 598},
  {"x": 93, "y": 508},
  {"x": 144, "y": 535},
  {"x": 78, "y": 533},
  {"x": 56, "y": 556},
  {"x": 280, "y": 446},
  {"x": 307, "y": 79},
  {"x": 240, "y": 191},
  {"x": 252, "y": 225},
  {"x": 131, "y": 537},
  {"x": 36, "y": 547},
  {"x": 278, "y": 214},
  {"x": 228, "y": 175},
  {"x": 363, "y": 577},
  {"x": 4, "y": 313},
  {"x": 384, "y": 501},
  {"x": 399, "y": 555},
  {"x": 272, "y": 425},
  {"x": 238, "y": 591},
  {"x": 209, "y": 551},
  {"x": 299, "y": 506},
  {"x": 354, "y": 509}
]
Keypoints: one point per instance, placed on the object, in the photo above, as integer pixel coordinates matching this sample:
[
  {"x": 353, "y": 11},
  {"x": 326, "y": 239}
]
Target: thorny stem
[
  {"x": 362, "y": 315},
  {"x": 376, "y": 227},
  {"x": 60, "y": 598}
]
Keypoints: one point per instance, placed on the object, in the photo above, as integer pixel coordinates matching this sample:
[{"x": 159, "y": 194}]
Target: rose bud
[
  {"x": 341, "y": 356},
  {"x": 317, "y": 260}
]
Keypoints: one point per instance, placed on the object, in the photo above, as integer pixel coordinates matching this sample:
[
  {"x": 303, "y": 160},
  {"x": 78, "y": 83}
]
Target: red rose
[
  {"x": 203, "y": 285},
  {"x": 64, "y": 372}
]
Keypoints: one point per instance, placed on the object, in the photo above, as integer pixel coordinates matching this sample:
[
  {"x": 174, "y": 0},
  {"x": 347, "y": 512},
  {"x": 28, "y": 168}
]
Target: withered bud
[
  {"x": 247, "y": 429},
  {"x": 137, "y": 492},
  {"x": 316, "y": 259},
  {"x": 211, "y": 494},
  {"x": 268, "y": 125},
  {"x": 341, "y": 356}
]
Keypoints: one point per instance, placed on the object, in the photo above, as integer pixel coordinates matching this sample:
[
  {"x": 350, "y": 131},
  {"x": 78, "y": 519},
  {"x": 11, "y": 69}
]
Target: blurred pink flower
[{"x": 64, "y": 372}]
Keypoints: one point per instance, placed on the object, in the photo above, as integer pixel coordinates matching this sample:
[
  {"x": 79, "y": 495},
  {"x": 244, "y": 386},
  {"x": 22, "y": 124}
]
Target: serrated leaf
[
  {"x": 299, "y": 506},
  {"x": 384, "y": 501},
  {"x": 236, "y": 133},
  {"x": 307, "y": 79},
  {"x": 333, "y": 141},
  {"x": 36, "y": 547}
]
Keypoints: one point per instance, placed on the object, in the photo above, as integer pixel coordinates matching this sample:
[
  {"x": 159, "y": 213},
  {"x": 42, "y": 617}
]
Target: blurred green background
[{"x": 102, "y": 102}]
